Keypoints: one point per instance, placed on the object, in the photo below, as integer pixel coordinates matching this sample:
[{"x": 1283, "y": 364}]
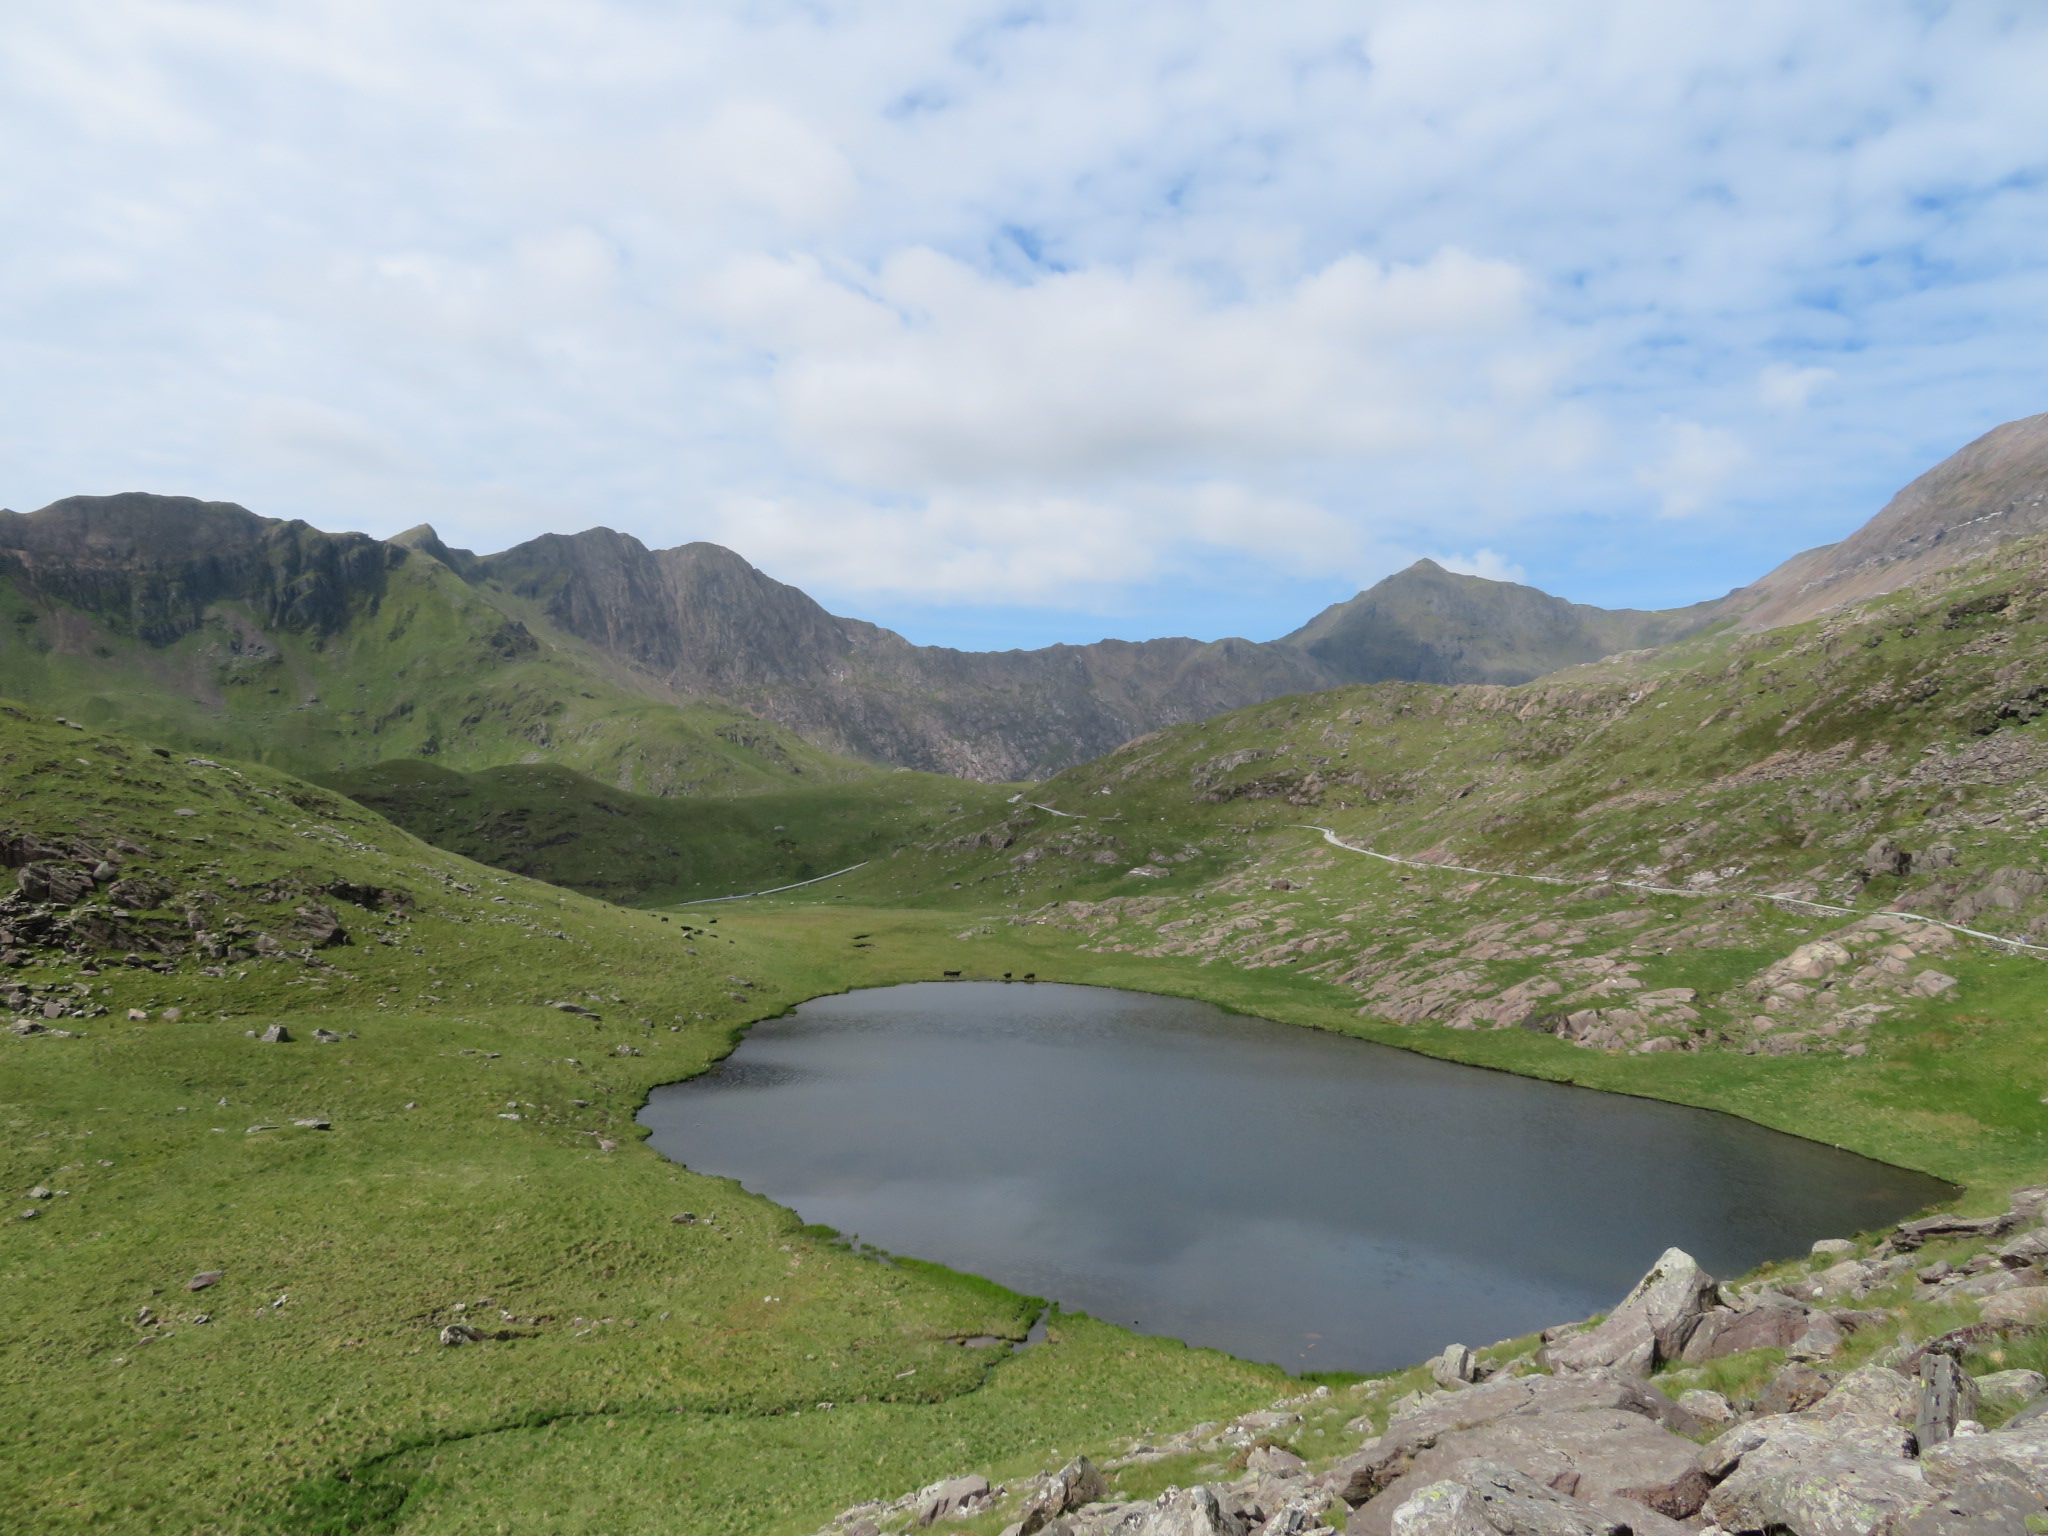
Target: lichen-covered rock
[
  {"x": 1809, "y": 1478},
  {"x": 1653, "y": 1323},
  {"x": 1487, "y": 1500},
  {"x": 1606, "y": 1451}
]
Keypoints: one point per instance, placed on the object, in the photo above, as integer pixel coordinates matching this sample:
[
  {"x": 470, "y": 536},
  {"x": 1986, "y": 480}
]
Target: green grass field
[{"x": 646, "y": 1375}]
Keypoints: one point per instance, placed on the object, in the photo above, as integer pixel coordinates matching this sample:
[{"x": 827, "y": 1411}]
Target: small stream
[{"x": 1291, "y": 1196}]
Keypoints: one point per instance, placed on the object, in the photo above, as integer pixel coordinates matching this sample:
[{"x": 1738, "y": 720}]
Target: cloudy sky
[{"x": 1011, "y": 322}]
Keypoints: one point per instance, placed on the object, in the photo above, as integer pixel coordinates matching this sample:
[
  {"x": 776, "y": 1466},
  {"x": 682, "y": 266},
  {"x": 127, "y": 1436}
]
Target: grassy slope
[
  {"x": 1631, "y": 769},
  {"x": 561, "y": 826},
  {"x": 645, "y": 1347},
  {"x": 447, "y": 1202},
  {"x": 428, "y": 671}
]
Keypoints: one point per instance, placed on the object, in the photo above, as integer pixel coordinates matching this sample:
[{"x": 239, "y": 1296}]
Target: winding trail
[
  {"x": 1330, "y": 837},
  {"x": 773, "y": 889}
]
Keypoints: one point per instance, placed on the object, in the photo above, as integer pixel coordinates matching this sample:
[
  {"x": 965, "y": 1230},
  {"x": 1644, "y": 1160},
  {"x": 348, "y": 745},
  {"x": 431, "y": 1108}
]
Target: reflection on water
[{"x": 1287, "y": 1195}]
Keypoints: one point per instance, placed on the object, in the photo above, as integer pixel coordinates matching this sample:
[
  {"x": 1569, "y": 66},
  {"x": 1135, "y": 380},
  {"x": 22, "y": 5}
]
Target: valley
[{"x": 351, "y": 930}]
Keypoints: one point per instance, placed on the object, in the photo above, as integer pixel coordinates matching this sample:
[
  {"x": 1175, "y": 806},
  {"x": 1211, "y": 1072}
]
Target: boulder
[
  {"x": 1947, "y": 1397},
  {"x": 276, "y": 1034},
  {"x": 2011, "y": 1389},
  {"x": 1604, "y": 1451},
  {"x": 956, "y": 1495},
  {"x": 2026, "y": 1306},
  {"x": 1359, "y": 1476},
  {"x": 1708, "y": 1407},
  {"x": 1988, "y": 1485},
  {"x": 1874, "y": 1393},
  {"x": 1653, "y": 1323},
  {"x": 1812, "y": 1479},
  {"x": 59, "y": 884},
  {"x": 1796, "y": 1386},
  {"x": 1075, "y": 1484},
  {"x": 1834, "y": 1248},
  {"x": 1908, "y": 1235},
  {"x": 1185, "y": 1512},
  {"x": 456, "y": 1334},
  {"x": 1498, "y": 1501},
  {"x": 1456, "y": 1367}
]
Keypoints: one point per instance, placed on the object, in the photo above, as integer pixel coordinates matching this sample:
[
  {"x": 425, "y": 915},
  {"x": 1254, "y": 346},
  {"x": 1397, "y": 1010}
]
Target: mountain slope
[
  {"x": 704, "y": 622},
  {"x": 1694, "y": 851},
  {"x": 203, "y": 624},
  {"x": 1430, "y": 625},
  {"x": 1989, "y": 492}
]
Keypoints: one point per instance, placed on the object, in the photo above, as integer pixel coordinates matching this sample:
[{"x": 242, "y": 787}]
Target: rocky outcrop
[
  {"x": 151, "y": 566},
  {"x": 1489, "y": 1446}
]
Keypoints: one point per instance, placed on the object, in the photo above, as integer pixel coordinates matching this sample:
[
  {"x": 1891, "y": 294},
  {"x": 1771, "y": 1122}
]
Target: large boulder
[
  {"x": 1605, "y": 1452},
  {"x": 1653, "y": 1323},
  {"x": 1075, "y": 1484},
  {"x": 1774, "y": 1321},
  {"x": 1379, "y": 1461},
  {"x": 1986, "y": 1485},
  {"x": 1789, "y": 1473},
  {"x": 1489, "y": 1500}
]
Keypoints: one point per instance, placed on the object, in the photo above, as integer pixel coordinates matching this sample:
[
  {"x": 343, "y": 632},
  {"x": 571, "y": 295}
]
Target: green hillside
[
  {"x": 413, "y": 664},
  {"x": 566, "y": 828},
  {"x": 471, "y": 1159}
]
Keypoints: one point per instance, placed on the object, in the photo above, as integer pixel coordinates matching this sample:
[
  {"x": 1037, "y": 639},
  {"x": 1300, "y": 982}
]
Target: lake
[{"x": 1290, "y": 1196}]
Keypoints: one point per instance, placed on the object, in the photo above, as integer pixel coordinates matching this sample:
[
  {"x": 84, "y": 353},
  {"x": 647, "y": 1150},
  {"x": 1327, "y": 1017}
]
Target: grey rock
[
  {"x": 1822, "y": 1338},
  {"x": 1456, "y": 1367},
  {"x": 203, "y": 1279},
  {"x": 1273, "y": 1460},
  {"x": 1598, "y": 1451},
  {"x": 1875, "y": 1393},
  {"x": 456, "y": 1334},
  {"x": 1075, "y": 1484},
  {"x": 277, "y": 1034},
  {"x": 956, "y": 1495},
  {"x": 1708, "y": 1407},
  {"x": 2011, "y": 1389},
  {"x": 1653, "y": 1323},
  {"x": 1184, "y": 1512},
  {"x": 1812, "y": 1479},
  {"x": 1357, "y": 1477},
  {"x": 42, "y": 1192},
  {"x": 1486, "y": 1500},
  {"x": 1794, "y": 1387},
  {"x": 1947, "y": 1396},
  {"x": 1834, "y": 1248},
  {"x": 1984, "y": 1485},
  {"x": 1908, "y": 1235}
]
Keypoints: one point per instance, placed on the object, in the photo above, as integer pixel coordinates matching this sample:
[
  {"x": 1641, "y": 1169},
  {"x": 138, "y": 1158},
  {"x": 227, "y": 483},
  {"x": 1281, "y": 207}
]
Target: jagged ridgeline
[{"x": 1889, "y": 759}]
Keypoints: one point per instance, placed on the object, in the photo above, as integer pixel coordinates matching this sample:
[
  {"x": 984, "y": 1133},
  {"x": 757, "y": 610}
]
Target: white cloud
[
  {"x": 1785, "y": 387},
  {"x": 1696, "y": 461},
  {"x": 936, "y": 373},
  {"x": 1030, "y": 301},
  {"x": 1484, "y": 562}
]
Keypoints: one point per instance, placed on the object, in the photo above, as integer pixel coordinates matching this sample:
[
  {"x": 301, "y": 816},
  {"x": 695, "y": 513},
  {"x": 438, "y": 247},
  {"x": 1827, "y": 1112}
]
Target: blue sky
[{"x": 1007, "y": 323}]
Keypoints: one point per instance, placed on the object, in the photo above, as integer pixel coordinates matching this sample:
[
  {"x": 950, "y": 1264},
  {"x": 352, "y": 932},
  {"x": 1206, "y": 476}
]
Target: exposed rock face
[
  {"x": 150, "y": 566},
  {"x": 1430, "y": 625},
  {"x": 704, "y": 621},
  {"x": 1993, "y": 490}
]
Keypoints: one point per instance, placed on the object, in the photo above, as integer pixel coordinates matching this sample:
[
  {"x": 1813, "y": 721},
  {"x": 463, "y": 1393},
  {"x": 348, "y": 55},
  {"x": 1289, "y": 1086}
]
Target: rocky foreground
[{"x": 1849, "y": 1407}]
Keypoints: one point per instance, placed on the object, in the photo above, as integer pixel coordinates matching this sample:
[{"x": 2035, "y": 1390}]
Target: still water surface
[{"x": 1286, "y": 1195}]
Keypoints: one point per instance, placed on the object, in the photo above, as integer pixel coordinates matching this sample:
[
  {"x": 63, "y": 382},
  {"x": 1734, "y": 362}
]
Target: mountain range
[{"x": 687, "y": 670}]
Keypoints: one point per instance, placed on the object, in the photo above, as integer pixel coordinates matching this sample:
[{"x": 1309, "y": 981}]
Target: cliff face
[
  {"x": 705, "y": 622},
  {"x": 150, "y": 566}
]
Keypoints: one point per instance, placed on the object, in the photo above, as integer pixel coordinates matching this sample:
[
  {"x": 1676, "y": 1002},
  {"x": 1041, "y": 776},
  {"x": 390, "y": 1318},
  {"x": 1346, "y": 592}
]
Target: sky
[{"x": 1007, "y": 323}]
